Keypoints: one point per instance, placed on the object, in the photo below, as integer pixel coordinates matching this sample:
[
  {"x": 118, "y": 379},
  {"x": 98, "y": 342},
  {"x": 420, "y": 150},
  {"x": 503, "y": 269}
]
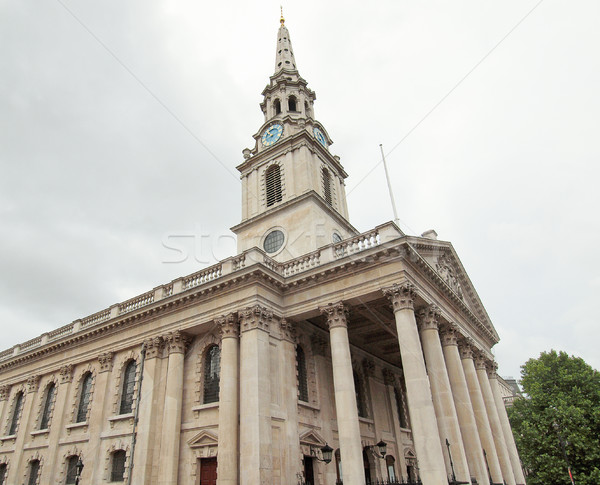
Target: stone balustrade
[{"x": 325, "y": 255}]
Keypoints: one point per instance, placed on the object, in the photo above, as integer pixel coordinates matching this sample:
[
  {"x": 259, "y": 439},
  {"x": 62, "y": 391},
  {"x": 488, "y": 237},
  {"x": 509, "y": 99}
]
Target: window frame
[
  {"x": 47, "y": 406},
  {"x": 127, "y": 387},
  {"x": 119, "y": 474},
  {"x": 209, "y": 393},
  {"x": 15, "y": 416},
  {"x": 85, "y": 394}
]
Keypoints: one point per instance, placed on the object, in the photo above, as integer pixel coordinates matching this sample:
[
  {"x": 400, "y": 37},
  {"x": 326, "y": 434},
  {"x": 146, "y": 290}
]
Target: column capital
[
  {"x": 337, "y": 315},
  {"x": 154, "y": 346},
  {"x": 229, "y": 326},
  {"x": 319, "y": 344},
  {"x": 480, "y": 362},
  {"x": 492, "y": 369},
  {"x": 4, "y": 392},
  {"x": 288, "y": 331},
  {"x": 389, "y": 378},
  {"x": 255, "y": 317},
  {"x": 428, "y": 318},
  {"x": 176, "y": 342},
  {"x": 465, "y": 347},
  {"x": 402, "y": 296},
  {"x": 449, "y": 334},
  {"x": 106, "y": 361},
  {"x": 369, "y": 367},
  {"x": 33, "y": 383},
  {"x": 66, "y": 373}
]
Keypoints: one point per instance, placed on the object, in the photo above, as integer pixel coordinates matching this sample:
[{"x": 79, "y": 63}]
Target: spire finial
[{"x": 282, "y": 20}]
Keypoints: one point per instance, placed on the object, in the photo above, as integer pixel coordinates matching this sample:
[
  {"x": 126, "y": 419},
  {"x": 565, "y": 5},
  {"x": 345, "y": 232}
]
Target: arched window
[
  {"x": 84, "y": 398},
  {"x": 327, "y": 186},
  {"x": 277, "y": 106},
  {"x": 212, "y": 373},
  {"x": 48, "y": 400},
  {"x": 34, "y": 471},
  {"x": 292, "y": 103},
  {"x": 71, "y": 469},
  {"x": 127, "y": 388},
  {"x": 14, "y": 420},
  {"x": 273, "y": 185},
  {"x": 2, "y": 473},
  {"x": 302, "y": 374},
  {"x": 360, "y": 397},
  {"x": 391, "y": 470},
  {"x": 117, "y": 470}
]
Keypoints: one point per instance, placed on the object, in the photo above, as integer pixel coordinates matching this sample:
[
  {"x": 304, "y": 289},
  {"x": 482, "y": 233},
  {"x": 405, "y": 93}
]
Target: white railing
[{"x": 293, "y": 267}]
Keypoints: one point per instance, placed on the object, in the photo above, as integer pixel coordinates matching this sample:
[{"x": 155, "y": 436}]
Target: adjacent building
[{"x": 313, "y": 334}]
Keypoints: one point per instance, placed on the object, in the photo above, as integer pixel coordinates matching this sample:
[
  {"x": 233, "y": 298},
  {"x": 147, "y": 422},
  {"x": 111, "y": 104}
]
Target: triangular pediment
[
  {"x": 203, "y": 438},
  {"x": 447, "y": 271},
  {"x": 312, "y": 438}
]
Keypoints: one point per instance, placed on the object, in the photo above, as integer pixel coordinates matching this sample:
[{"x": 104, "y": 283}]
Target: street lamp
[
  {"x": 78, "y": 468},
  {"x": 326, "y": 453},
  {"x": 382, "y": 449}
]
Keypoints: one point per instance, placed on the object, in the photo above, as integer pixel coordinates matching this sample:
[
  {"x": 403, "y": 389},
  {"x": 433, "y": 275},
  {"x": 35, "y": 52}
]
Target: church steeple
[
  {"x": 284, "y": 58},
  {"x": 293, "y": 193}
]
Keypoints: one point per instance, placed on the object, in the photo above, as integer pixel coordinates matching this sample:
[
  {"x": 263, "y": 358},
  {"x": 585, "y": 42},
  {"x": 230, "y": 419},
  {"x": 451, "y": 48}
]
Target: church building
[{"x": 317, "y": 355}]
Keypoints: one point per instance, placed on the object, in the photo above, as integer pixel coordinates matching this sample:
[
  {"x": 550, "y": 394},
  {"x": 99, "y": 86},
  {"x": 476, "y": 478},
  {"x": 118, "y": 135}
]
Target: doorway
[
  {"x": 309, "y": 470},
  {"x": 208, "y": 471}
]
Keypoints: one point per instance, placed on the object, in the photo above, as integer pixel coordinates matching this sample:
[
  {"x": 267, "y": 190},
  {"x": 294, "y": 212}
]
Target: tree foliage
[{"x": 562, "y": 401}]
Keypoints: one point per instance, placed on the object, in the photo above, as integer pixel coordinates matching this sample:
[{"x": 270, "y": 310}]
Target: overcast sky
[{"x": 121, "y": 124}]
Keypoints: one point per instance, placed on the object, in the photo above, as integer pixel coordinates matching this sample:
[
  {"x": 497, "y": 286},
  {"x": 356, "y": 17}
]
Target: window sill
[
  {"x": 39, "y": 432},
  {"x": 8, "y": 437},
  {"x": 202, "y": 407},
  {"x": 308, "y": 405},
  {"x": 75, "y": 426},
  {"x": 120, "y": 417}
]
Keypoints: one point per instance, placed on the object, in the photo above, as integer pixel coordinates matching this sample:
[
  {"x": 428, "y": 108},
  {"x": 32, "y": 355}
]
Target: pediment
[
  {"x": 203, "y": 438},
  {"x": 312, "y": 438},
  {"x": 447, "y": 270}
]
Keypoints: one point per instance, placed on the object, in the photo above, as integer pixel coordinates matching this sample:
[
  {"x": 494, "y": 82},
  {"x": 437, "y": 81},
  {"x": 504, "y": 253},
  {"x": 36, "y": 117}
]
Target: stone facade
[{"x": 241, "y": 372}]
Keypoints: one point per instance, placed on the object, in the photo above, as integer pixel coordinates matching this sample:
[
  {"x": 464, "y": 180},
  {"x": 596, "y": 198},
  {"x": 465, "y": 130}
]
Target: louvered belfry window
[
  {"x": 84, "y": 398},
  {"x": 327, "y": 186},
  {"x": 50, "y": 390},
  {"x": 302, "y": 374},
  {"x": 212, "y": 373},
  {"x": 127, "y": 388},
  {"x": 14, "y": 422},
  {"x": 273, "y": 185}
]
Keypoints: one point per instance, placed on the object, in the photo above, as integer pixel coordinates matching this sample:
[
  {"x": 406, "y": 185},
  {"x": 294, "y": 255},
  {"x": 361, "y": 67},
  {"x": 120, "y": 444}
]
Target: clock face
[
  {"x": 272, "y": 134},
  {"x": 320, "y": 137}
]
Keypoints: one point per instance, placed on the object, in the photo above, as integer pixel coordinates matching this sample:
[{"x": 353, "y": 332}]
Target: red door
[{"x": 208, "y": 471}]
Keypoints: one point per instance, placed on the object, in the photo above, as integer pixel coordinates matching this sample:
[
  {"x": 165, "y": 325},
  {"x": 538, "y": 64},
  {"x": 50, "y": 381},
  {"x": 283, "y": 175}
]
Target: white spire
[{"x": 284, "y": 58}]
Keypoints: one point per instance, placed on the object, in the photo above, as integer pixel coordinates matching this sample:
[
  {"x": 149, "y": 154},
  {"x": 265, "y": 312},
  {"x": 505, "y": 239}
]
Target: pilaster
[
  {"x": 146, "y": 447},
  {"x": 420, "y": 403},
  {"x": 256, "y": 466},
  {"x": 229, "y": 401},
  {"x": 176, "y": 343},
  {"x": 345, "y": 395}
]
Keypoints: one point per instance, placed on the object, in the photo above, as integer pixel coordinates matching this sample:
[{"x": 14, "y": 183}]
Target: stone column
[
  {"x": 229, "y": 402},
  {"x": 506, "y": 429},
  {"x": 420, "y": 403},
  {"x": 462, "y": 402},
  {"x": 443, "y": 402},
  {"x": 292, "y": 455},
  {"x": 345, "y": 394},
  {"x": 481, "y": 417},
  {"x": 171, "y": 426},
  {"x": 146, "y": 427},
  {"x": 256, "y": 467}
]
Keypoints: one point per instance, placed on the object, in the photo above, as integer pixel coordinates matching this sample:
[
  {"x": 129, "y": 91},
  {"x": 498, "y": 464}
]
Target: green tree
[{"x": 562, "y": 399}]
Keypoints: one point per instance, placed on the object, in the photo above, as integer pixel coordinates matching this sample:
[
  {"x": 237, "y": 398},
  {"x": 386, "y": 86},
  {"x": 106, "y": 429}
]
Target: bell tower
[{"x": 293, "y": 192}]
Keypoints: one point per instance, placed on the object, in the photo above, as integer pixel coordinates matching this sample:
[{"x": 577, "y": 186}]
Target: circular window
[
  {"x": 273, "y": 241},
  {"x": 336, "y": 237}
]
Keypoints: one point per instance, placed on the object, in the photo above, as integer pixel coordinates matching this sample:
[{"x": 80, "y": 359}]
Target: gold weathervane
[{"x": 282, "y": 20}]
